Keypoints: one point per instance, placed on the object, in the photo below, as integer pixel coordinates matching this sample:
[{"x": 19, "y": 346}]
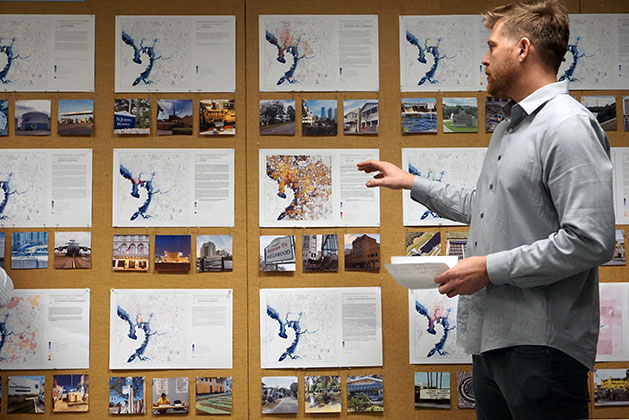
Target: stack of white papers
[{"x": 419, "y": 272}]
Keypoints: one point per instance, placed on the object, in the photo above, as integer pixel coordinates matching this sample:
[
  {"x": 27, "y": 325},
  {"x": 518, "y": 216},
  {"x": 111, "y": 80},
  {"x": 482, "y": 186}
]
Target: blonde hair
[{"x": 545, "y": 23}]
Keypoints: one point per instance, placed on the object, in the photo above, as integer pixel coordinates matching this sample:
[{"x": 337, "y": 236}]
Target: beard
[{"x": 502, "y": 79}]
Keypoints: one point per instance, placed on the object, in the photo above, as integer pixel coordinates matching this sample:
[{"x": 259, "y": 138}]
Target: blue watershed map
[
  {"x": 136, "y": 184},
  {"x": 432, "y": 176},
  {"x": 292, "y": 324},
  {"x": 5, "y": 187},
  {"x": 437, "y": 317},
  {"x": 429, "y": 47},
  {"x": 573, "y": 50},
  {"x": 4, "y": 333},
  {"x": 148, "y": 50},
  {"x": 288, "y": 44},
  {"x": 145, "y": 326},
  {"x": 7, "y": 50}
]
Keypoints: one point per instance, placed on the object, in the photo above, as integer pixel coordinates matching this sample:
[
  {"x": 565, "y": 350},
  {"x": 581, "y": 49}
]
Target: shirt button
[
  {"x": 475, "y": 243},
  {"x": 482, "y": 215},
  {"x": 491, "y": 186},
  {"x": 499, "y": 157},
  {"x": 510, "y": 130}
]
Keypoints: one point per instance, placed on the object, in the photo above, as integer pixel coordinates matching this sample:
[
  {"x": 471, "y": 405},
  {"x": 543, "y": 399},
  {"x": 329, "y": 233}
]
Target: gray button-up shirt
[{"x": 542, "y": 212}]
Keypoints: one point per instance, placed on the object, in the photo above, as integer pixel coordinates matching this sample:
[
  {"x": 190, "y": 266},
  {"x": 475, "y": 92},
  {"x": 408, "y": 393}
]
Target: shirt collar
[{"x": 534, "y": 101}]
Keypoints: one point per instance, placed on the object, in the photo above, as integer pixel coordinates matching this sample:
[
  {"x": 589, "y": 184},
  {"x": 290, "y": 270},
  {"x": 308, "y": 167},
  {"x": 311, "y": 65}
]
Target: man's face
[{"x": 501, "y": 63}]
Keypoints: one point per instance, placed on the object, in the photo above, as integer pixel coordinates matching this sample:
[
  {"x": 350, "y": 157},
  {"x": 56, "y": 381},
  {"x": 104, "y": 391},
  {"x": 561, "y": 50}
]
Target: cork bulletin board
[{"x": 246, "y": 279}]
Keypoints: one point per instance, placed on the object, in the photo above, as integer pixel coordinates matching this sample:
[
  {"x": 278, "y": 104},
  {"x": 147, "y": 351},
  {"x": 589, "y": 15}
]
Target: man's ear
[{"x": 524, "y": 48}]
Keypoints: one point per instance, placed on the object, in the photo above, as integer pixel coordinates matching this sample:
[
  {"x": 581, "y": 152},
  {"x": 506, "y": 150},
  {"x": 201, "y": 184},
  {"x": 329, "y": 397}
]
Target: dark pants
[{"x": 529, "y": 382}]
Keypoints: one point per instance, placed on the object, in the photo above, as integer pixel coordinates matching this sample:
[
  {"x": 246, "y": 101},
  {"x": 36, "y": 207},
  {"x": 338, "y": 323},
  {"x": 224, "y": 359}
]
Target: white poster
[
  {"x": 175, "y": 53},
  {"x": 46, "y": 188},
  {"x": 445, "y": 52},
  {"x": 620, "y": 178},
  {"x": 457, "y": 166},
  {"x": 171, "y": 329},
  {"x": 316, "y": 187},
  {"x": 433, "y": 328},
  {"x": 46, "y": 329},
  {"x": 318, "y": 52},
  {"x": 439, "y": 53},
  {"x": 613, "y": 337},
  {"x": 320, "y": 327},
  {"x": 47, "y": 53},
  {"x": 173, "y": 187}
]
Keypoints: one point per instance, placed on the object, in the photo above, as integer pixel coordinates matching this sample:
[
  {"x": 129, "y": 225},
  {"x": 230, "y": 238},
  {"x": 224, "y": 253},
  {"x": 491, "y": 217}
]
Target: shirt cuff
[
  {"x": 498, "y": 268},
  {"x": 420, "y": 189}
]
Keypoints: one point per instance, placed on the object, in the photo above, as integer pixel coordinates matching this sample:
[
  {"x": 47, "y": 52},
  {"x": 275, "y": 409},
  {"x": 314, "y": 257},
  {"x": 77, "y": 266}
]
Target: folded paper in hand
[{"x": 419, "y": 272}]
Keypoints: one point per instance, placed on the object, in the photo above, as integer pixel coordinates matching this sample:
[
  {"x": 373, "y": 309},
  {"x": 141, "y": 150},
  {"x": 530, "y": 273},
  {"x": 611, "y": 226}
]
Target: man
[{"x": 541, "y": 221}]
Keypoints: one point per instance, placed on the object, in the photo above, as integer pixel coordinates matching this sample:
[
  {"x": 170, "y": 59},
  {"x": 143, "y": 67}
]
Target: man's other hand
[
  {"x": 466, "y": 278},
  {"x": 388, "y": 175}
]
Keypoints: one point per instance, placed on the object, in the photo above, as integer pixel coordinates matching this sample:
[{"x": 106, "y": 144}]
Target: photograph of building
[
  {"x": 172, "y": 253},
  {"x": 456, "y": 244},
  {"x": 27, "y": 394},
  {"x": 217, "y": 117},
  {"x": 213, "y": 395},
  {"x": 131, "y": 253},
  {"x": 619, "y": 257},
  {"x": 75, "y": 117},
  {"x": 214, "y": 253},
  {"x": 29, "y": 250},
  {"x": 277, "y": 117},
  {"x": 365, "y": 394},
  {"x": 174, "y": 117},
  {"x": 419, "y": 115},
  {"x": 362, "y": 252},
  {"x": 625, "y": 111},
  {"x": 320, "y": 252},
  {"x": 4, "y": 117},
  {"x": 611, "y": 387},
  {"x": 318, "y": 117},
  {"x": 360, "y": 116},
  {"x": 432, "y": 390},
  {"x": 32, "y": 117},
  {"x": 2, "y": 242}
]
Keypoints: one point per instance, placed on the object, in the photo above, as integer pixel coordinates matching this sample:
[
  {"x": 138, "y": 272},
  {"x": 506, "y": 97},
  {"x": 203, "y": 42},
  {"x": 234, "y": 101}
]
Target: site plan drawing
[
  {"x": 433, "y": 328},
  {"x": 47, "y": 53},
  {"x": 46, "y": 187},
  {"x": 171, "y": 329},
  {"x": 45, "y": 329},
  {"x": 175, "y": 53},
  {"x": 173, "y": 187},
  {"x": 320, "y": 327},
  {"x": 456, "y": 166},
  {"x": 318, "y": 52},
  {"x": 316, "y": 187}
]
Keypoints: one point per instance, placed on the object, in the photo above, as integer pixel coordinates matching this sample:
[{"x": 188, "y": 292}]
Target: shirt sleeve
[
  {"x": 444, "y": 199},
  {"x": 577, "y": 174}
]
